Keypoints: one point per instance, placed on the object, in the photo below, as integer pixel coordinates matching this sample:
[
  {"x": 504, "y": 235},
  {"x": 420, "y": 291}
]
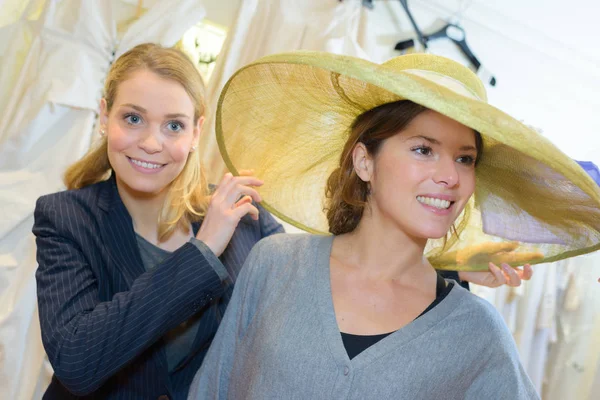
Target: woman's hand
[
  {"x": 498, "y": 276},
  {"x": 228, "y": 204}
]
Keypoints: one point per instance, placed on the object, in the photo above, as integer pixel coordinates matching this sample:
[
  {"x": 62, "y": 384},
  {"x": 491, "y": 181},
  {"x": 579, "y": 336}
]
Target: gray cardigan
[{"x": 279, "y": 339}]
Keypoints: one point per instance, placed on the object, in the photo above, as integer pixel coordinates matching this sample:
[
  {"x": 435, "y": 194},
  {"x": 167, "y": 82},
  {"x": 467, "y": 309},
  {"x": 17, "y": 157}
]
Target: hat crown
[{"x": 434, "y": 67}]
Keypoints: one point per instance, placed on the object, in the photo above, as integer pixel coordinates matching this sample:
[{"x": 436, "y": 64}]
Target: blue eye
[
  {"x": 133, "y": 119},
  {"x": 175, "y": 126}
]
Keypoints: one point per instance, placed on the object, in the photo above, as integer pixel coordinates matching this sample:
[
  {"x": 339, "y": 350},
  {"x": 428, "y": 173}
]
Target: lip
[
  {"x": 439, "y": 196},
  {"x": 143, "y": 170},
  {"x": 439, "y": 211},
  {"x": 435, "y": 210}
]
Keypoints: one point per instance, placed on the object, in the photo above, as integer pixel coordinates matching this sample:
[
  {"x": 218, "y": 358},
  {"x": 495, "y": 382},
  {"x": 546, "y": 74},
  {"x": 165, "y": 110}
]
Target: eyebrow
[
  {"x": 435, "y": 141},
  {"x": 144, "y": 111}
]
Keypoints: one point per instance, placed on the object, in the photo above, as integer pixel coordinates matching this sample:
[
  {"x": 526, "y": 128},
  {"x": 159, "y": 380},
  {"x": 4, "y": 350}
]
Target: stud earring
[
  {"x": 102, "y": 132},
  {"x": 193, "y": 149}
]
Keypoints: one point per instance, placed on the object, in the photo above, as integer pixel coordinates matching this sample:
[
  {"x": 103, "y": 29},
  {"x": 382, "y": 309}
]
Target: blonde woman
[{"x": 131, "y": 287}]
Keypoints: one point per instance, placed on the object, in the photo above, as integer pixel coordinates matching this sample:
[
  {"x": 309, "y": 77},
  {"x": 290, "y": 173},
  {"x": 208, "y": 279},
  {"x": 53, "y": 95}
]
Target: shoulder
[
  {"x": 482, "y": 321},
  {"x": 86, "y": 195},
  {"x": 487, "y": 351},
  {"x": 477, "y": 308},
  {"x": 63, "y": 206},
  {"x": 283, "y": 255},
  {"x": 288, "y": 245}
]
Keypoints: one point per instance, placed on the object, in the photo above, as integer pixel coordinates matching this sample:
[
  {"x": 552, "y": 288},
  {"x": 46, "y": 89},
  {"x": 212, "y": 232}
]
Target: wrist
[
  {"x": 211, "y": 257},
  {"x": 206, "y": 242}
]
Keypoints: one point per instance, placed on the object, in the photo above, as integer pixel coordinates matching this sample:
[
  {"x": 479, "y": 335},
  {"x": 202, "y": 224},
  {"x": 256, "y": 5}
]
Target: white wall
[
  {"x": 545, "y": 55},
  {"x": 222, "y": 12}
]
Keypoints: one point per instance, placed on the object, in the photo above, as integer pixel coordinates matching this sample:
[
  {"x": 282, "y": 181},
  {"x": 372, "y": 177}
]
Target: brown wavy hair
[
  {"x": 346, "y": 193},
  {"x": 187, "y": 198}
]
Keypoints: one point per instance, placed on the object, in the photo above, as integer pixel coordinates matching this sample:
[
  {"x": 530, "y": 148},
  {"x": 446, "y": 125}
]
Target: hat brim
[{"x": 287, "y": 117}]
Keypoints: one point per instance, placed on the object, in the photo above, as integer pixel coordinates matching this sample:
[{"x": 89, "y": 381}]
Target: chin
[
  {"x": 433, "y": 232},
  {"x": 143, "y": 186},
  {"x": 437, "y": 236}
]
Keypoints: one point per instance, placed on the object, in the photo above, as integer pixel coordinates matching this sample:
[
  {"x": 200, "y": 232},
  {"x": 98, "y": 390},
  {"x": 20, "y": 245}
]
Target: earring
[
  {"x": 193, "y": 149},
  {"x": 102, "y": 132}
]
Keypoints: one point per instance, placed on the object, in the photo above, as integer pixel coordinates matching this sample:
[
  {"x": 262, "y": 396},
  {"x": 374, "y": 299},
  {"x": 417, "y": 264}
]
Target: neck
[
  {"x": 383, "y": 251},
  {"x": 144, "y": 209}
]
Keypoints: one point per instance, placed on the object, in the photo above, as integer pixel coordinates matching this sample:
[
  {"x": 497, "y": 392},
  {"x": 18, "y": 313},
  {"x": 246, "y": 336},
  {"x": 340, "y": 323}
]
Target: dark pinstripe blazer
[{"x": 102, "y": 315}]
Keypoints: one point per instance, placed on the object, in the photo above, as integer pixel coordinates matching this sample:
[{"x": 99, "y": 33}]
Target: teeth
[
  {"x": 437, "y": 203},
  {"x": 145, "y": 164}
]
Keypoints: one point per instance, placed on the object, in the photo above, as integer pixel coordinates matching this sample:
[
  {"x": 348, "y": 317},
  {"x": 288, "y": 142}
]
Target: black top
[{"x": 356, "y": 344}]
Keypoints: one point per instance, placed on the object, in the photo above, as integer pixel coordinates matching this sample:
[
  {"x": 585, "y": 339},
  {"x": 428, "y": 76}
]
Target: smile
[
  {"x": 433, "y": 202},
  {"x": 145, "y": 164}
]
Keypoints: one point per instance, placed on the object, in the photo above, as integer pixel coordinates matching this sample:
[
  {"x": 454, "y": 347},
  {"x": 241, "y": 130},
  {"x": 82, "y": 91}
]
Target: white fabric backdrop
[
  {"x": 573, "y": 365},
  {"x": 555, "y": 322},
  {"x": 265, "y": 27},
  {"x": 53, "y": 70}
]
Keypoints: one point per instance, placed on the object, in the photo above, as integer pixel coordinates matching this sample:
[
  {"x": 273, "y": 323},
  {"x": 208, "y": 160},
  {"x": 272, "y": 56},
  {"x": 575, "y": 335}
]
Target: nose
[
  {"x": 150, "y": 141},
  {"x": 446, "y": 172}
]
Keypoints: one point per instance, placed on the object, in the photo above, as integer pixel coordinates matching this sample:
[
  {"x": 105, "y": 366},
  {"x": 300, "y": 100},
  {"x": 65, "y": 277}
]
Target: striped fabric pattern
[{"x": 102, "y": 315}]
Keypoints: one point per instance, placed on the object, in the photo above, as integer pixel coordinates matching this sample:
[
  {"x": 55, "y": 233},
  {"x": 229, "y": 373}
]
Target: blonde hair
[{"x": 187, "y": 197}]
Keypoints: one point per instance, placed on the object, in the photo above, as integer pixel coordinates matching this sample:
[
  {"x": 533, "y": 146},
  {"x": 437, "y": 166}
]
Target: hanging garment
[
  {"x": 46, "y": 124},
  {"x": 573, "y": 361}
]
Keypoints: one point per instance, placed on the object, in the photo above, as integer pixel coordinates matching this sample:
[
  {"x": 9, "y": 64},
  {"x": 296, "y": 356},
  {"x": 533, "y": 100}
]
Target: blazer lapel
[{"x": 117, "y": 233}]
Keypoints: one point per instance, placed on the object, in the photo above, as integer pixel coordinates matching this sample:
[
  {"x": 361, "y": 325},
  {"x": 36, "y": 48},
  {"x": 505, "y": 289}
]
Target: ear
[
  {"x": 103, "y": 114},
  {"x": 363, "y": 163},
  {"x": 197, "y": 131},
  {"x": 103, "y": 117}
]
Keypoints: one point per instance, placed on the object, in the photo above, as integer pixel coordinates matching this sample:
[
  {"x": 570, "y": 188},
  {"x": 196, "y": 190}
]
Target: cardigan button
[{"x": 346, "y": 371}]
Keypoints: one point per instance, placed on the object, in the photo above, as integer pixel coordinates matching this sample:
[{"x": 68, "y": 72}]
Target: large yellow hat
[{"x": 287, "y": 116}]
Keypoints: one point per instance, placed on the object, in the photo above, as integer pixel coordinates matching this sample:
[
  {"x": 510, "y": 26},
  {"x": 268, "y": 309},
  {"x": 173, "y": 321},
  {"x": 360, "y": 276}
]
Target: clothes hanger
[{"x": 451, "y": 31}]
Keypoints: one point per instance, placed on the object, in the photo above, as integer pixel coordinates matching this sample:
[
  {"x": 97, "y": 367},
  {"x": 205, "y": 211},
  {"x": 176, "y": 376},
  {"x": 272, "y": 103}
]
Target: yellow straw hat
[{"x": 287, "y": 116}]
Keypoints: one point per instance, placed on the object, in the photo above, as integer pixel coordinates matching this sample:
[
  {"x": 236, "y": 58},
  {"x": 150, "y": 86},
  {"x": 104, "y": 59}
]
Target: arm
[
  {"x": 494, "y": 253},
  {"x": 497, "y": 277},
  {"x": 212, "y": 380},
  {"x": 500, "y": 374},
  {"x": 88, "y": 341}
]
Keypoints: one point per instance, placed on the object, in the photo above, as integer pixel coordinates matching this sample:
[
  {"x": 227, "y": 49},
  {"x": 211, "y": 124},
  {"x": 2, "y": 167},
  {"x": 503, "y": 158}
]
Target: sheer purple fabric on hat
[
  {"x": 591, "y": 169},
  {"x": 495, "y": 223}
]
